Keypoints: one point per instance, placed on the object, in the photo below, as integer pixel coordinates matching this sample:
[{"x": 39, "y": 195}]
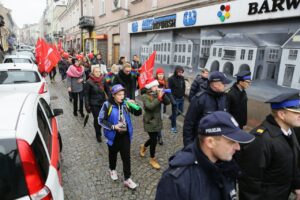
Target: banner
[{"x": 146, "y": 71}]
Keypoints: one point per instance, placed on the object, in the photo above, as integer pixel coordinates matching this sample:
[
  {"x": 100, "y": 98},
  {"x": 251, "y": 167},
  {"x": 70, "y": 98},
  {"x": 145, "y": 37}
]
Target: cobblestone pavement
[{"x": 85, "y": 162}]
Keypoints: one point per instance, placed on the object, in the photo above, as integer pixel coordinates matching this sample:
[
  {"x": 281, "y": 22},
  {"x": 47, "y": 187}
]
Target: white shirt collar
[{"x": 286, "y": 133}]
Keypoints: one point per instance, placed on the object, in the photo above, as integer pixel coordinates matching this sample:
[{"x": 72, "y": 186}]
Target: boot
[
  {"x": 154, "y": 163},
  {"x": 142, "y": 150}
]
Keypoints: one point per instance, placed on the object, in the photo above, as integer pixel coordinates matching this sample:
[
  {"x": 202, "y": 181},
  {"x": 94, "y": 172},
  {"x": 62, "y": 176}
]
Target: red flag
[
  {"x": 48, "y": 56},
  {"x": 146, "y": 71}
]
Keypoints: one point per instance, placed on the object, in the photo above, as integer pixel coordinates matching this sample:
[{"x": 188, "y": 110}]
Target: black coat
[
  {"x": 269, "y": 163},
  {"x": 177, "y": 85},
  {"x": 198, "y": 85},
  {"x": 237, "y": 104},
  {"x": 192, "y": 176},
  {"x": 202, "y": 104},
  {"x": 93, "y": 94},
  {"x": 128, "y": 82}
]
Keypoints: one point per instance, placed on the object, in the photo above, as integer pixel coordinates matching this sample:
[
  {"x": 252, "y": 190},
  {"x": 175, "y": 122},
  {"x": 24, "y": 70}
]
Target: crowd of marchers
[{"x": 217, "y": 155}]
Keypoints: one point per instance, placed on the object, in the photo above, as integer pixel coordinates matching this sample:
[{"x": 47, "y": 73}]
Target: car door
[{"x": 48, "y": 127}]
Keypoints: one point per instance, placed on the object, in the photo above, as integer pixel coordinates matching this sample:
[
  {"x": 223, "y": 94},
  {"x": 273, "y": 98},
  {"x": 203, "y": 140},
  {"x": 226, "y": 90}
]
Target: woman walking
[
  {"x": 75, "y": 80},
  {"x": 114, "y": 117},
  {"x": 94, "y": 97},
  {"x": 152, "y": 99}
]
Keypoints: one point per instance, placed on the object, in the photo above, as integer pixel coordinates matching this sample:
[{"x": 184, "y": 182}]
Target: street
[{"x": 85, "y": 162}]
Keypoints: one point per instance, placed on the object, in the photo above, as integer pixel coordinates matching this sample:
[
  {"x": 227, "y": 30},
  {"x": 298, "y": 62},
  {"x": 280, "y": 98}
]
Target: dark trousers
[
  {"x": 52, "y": 73},
  {"x": 121, "y": 144},
  {"x": 152, "y": 143},
  {"x": 179, "y": 106},
  {"x": 95, "y": 111},
  {"x": 63, "y": 73},
  {"x": 75, "y": 96}
]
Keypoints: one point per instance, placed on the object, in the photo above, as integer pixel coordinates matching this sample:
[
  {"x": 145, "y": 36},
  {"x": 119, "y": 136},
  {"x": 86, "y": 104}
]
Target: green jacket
[{"x": 152, "y": 115}]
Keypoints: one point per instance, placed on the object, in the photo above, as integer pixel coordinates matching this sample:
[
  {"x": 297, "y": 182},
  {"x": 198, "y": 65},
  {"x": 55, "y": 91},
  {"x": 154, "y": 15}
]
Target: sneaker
[
  {"x": 173, "y": 130},
  {"x": 113, "y": 175},
  {"x": 130, "y": 184}
]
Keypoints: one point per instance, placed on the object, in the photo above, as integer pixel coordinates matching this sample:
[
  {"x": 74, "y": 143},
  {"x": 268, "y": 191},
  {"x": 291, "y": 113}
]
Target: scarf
[
  {"x": 162, "y": 83},
  {"x": 75, "y": 71},
  {"x": 97, "y": 81}
]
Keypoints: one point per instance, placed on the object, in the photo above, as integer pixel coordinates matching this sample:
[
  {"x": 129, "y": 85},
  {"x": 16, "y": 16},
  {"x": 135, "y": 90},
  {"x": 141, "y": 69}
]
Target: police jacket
[
  {"x": 192, "y": 176},
  {"x": 199, "y": 84},
  {"x": 269, "y": 164},
  {"x": 237, "y": 104},
  {"x": 202, "y": 104},
  {"x": 177, "y": 85}
]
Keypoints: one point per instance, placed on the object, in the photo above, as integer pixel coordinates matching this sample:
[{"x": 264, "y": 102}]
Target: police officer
[
  {"x": 205, "y": 169},
  {"x": 270, "y": 163},
  {"x": 237, "y": 98},
  {"x": 210, "y": 100}
]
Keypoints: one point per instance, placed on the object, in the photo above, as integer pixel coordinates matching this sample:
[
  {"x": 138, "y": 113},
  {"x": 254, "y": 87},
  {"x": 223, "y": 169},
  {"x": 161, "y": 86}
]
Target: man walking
[
  {"x": 237, "y": 98},
  {"x": 270, "y": 163},
  {"x": 204, "y": 169},
  {"x": 210, "y": 100},
  {"x": 177, "y": 86}
]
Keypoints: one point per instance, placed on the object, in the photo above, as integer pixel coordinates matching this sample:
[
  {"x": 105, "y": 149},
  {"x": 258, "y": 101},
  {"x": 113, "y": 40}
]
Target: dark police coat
[
  {"x": 269, "y": 163},
  {"x": 237, "y": 104},
  {"x": 192, "y": 176},
  {"x": 202, "y": 104}
]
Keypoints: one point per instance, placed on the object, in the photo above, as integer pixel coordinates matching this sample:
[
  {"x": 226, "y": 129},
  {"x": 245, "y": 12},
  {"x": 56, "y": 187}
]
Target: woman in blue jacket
[{"x": 114, "y": 117}]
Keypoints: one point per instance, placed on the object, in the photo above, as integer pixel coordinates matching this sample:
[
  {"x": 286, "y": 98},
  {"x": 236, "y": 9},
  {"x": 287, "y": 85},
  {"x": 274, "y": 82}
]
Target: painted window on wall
[
  {"x": 250, "y": 55},
  {"x": 274, "y": 54},
  {"x": 214, "y": 51},
  {"x": 242, "y": 54},
  {"x": 293, "y": 54},
  {"x": 220, "y": 52},
  {"x": 261, "y": 54},
  {"x": 189, "y": 48}
]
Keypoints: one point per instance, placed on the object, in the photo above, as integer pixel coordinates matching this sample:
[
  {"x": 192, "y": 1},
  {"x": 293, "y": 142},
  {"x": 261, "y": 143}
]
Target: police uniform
[
  {"x": 237, "y": 99},
  {"x": 270, "y": 163},
  {"x": 192, "y": 176}
]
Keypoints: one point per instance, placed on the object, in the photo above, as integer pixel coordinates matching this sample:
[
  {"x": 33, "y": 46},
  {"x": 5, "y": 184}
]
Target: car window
[
  {"x": 44, "y": 128},
  {"x": 12, "y": 180},
  {"x": 47, "y": 110},
  {"x": 40, "y": 156},
  {"x": 18, "y": 76},
  {"x": 17, "y": 60}
]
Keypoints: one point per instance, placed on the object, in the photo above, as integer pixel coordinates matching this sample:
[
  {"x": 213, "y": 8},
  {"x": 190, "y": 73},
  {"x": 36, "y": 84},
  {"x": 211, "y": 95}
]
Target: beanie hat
[
  {"x": 160, "y": 71},
  {"x": 151, "y": 83}
]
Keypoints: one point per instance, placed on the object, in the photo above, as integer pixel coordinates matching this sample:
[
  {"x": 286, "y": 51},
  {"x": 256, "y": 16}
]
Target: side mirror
[{"x": 57, "y": 112}]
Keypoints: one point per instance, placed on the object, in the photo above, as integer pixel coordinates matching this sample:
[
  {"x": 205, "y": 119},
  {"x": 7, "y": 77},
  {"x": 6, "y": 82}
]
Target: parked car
[
  {"x": 30, "y": 147},
  {"x": 23, "y": 77},
  {"x": 18, "y": 58},
  {"x": 27, "y": 53}
]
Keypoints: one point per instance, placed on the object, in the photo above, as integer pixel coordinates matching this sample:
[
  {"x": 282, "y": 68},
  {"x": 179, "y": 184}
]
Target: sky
[{"x": 25, "y": 11}]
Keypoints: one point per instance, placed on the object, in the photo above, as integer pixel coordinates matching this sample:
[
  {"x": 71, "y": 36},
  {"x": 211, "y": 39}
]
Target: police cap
[
  {"x": 287, "y": 101},
  {"x": 243, "y": 75}
]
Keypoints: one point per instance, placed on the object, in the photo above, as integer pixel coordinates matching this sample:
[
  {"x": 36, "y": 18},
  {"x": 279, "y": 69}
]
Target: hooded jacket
[
  {"x": 177, "y": 84},
  {"x": 192, "y": 176}
]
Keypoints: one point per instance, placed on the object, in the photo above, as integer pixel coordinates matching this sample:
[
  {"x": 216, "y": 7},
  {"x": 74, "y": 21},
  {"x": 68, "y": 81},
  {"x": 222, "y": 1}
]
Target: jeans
[
  {"x": 152, "y": 143},
  {"x": 52, "y": 73},
  {"x": 179, "y": 106},
  {"x": 95, "y": 111},
  {"x": 121, "y": 144}
]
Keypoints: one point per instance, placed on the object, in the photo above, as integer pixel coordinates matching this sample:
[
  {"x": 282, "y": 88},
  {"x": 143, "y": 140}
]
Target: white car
[
  {"x": 18, "y": 58},
  {"x": 30, "y": 147},
  {"x": 23, "y": 77}
]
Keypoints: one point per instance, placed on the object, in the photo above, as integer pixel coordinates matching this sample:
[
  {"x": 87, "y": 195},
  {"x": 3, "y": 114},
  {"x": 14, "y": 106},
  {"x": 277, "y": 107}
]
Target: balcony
[{"x": 86, "y": 22}]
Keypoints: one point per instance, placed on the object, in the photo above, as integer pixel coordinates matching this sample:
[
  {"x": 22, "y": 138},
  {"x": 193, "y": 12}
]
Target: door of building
[
  {"x": 288, "y": 75},
  {"x": 116, "y": 53}
]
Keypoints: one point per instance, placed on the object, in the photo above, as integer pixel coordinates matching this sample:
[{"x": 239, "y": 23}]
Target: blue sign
[
  {"x": 164, "y": 22},
  {"x": 134, "y": 27},
  {"x": 190, "y": 18},
  {"x": 147, "y": 24}
]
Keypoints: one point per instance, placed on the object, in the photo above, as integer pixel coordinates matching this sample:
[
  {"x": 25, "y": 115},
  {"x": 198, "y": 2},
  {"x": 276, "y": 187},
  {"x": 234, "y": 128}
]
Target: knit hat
[
  {"x": 151, "y": 83},
  {"x": 91, "y": 55},
  {"x": 160, "y": 71}
]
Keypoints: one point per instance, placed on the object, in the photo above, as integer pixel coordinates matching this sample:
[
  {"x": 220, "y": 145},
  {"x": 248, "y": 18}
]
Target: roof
[
  {"x": 23, "y": 66},
  {"x": 10, "y": 105},
  {"x": 293, "y": 42},
  {"x": 213, "y": 34},
  {"x": 252, "y": 40}
]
